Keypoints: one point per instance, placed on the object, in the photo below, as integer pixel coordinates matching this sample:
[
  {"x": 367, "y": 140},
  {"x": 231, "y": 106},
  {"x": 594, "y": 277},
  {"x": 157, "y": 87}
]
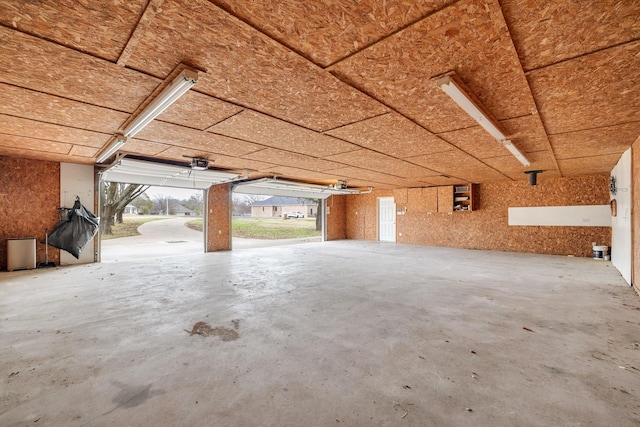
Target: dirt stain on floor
[{"x": 225, "y": 334}]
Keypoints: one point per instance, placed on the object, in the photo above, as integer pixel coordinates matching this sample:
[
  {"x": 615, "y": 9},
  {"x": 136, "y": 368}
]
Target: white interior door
[
  {"x": 621, "y": 240},
  {"x": 386, "y": 219}
]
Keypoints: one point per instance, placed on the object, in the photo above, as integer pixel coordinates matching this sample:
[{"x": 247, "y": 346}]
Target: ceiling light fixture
[
  {"x": 533, "y": 176},
  {"x": 115, "y": 145},
  {"x": 178, "y": 87},
  {"x": 458, "y": 94}
]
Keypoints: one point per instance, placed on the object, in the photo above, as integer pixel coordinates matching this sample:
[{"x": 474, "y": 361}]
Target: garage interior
[{"x": 449, "y": 290}]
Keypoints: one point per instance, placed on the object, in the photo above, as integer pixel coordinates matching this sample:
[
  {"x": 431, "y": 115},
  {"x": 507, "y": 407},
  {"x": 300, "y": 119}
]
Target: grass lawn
[
  {"x": 129, "y": 226},
  {"x": 258, "y": 228}
]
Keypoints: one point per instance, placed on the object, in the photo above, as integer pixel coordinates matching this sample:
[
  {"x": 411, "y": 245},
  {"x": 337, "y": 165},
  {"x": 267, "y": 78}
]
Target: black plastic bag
[{"x": 73, "y": 233}]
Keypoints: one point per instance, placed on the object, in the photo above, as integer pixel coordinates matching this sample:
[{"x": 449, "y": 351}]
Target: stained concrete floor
[{"x": 323, "y": 334}]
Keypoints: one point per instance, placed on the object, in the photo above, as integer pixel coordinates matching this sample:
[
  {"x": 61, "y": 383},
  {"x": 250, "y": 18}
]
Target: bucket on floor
[{"x": 599, "y": 252}]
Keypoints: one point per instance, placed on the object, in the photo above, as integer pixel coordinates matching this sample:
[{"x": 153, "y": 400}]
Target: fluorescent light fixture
[
  {"x": 451, "y": 88},
  {"x": 457, "y": 93},
  {"x": 180, "y": 85},
  {"x": 115, "y": 145},
  {"x": 516, "y": 153}
]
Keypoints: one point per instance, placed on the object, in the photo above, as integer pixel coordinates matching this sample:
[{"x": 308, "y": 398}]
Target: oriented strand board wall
[
  {"x": 487, "y": 227},
  {"x": 336, "y": 218},
  {"x": 219, "y": 218},
  {"x": 29, "y": 202},
  {"x": 635, "y": 213}
]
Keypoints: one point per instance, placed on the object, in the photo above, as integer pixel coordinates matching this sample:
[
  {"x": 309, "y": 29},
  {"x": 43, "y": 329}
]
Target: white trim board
[{"x": 562, "y": 216}]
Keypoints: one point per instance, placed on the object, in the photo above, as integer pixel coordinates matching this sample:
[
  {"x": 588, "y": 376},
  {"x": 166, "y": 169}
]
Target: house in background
[
  {"x": 277, "y": 206},
  {"x": 178, "y": 209},
  {"x": 131, "y": 210}
]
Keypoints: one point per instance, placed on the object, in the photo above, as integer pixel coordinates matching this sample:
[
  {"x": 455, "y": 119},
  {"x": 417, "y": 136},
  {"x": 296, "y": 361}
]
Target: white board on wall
[
  {"x": 562, "y": 216},
  {"x": 77, "y": 181}
]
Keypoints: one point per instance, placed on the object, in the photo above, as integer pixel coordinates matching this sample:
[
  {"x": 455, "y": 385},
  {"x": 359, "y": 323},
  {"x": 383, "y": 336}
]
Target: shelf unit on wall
[{"x": 463, "y": 197}]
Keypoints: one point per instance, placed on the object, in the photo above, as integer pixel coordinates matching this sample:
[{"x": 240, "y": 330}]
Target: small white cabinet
[{"x": 21, "y": 254}]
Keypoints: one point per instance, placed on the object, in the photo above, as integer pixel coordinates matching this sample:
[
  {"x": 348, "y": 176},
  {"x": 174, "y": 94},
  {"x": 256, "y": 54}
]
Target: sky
[
  {"x": 178, "y": 193},
  {"x": 175, "y": 193}
]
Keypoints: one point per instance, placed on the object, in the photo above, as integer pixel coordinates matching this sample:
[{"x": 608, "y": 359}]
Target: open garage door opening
[
  {"x": 152, "y": 209},
  {"x": 140, "y": 221},
  {"x": 262, "y": 220}
]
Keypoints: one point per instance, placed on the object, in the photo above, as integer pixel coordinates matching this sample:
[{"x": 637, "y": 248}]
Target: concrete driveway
[
  {"x": 171, "y": 237},
  {"x": 157, "y": 239}
]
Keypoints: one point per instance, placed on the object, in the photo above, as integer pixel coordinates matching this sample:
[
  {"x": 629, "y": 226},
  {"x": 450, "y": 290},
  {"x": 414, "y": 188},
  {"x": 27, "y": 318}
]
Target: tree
[
  {"x": 161, "y": 204},
  {"x": 242, "y": 202},
  {"x": 195, "y": 203},
  {"x": 116, "y": 197},
  {"x": 143, "y": 203},
  {"x": 320, "y": 214}
]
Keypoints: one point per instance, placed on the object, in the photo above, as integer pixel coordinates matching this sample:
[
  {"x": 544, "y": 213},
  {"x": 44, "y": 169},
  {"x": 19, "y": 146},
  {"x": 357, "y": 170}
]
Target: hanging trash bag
[{"x": 74, "y": 232}]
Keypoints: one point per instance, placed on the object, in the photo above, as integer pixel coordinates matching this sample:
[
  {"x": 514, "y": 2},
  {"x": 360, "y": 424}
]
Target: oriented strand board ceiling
[{"x": 326, "y": 91}]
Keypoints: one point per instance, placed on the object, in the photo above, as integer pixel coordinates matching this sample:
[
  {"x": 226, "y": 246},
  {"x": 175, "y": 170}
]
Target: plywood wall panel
[
  {"x": 336, "y": 225},
  {"x": 487, "y": 227},
  {"x": 547, "y": 32},
  {"x": 271, "y": 132},
  {"x": 445, "y": 199},
  {"x": 362, "y": 216},
  {"x": 312, "y": 28},
  {"x": 392, "y": 134},
  {"x": 469, "y": 37},
  {"x": 579, "y": 94},
  {"x": 168, "y": 133},
  {"x": 46, "y": 67},
  {"x": 29, "y": 199},
  {"x": 600, "y": 141},
  {"x": 58, "y": 110},
  {"x": 219, "y": 218},
  {"x": 101, "y": 28},
  {"x": 247, "y": 68}
]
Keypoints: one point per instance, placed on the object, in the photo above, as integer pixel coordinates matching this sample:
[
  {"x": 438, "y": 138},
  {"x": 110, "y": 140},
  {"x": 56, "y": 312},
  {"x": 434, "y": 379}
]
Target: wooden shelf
[{"x": 463, "y": 197}]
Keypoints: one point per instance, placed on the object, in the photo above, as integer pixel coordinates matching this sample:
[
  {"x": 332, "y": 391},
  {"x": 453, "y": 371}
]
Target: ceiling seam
[
  {"x": 533, "y": 98},
  {"x": 54, "y": 124},
  {"x": 375, "y": 116},
  {"x": 595, "y": 128},
  {"x": 399, "y": 30},
  {"x": 147, "y": 17},
  {"x": 613, "y": 46}
]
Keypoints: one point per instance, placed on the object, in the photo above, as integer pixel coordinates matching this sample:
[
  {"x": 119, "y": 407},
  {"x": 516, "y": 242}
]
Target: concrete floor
[{"x": 322, "y": 334}]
